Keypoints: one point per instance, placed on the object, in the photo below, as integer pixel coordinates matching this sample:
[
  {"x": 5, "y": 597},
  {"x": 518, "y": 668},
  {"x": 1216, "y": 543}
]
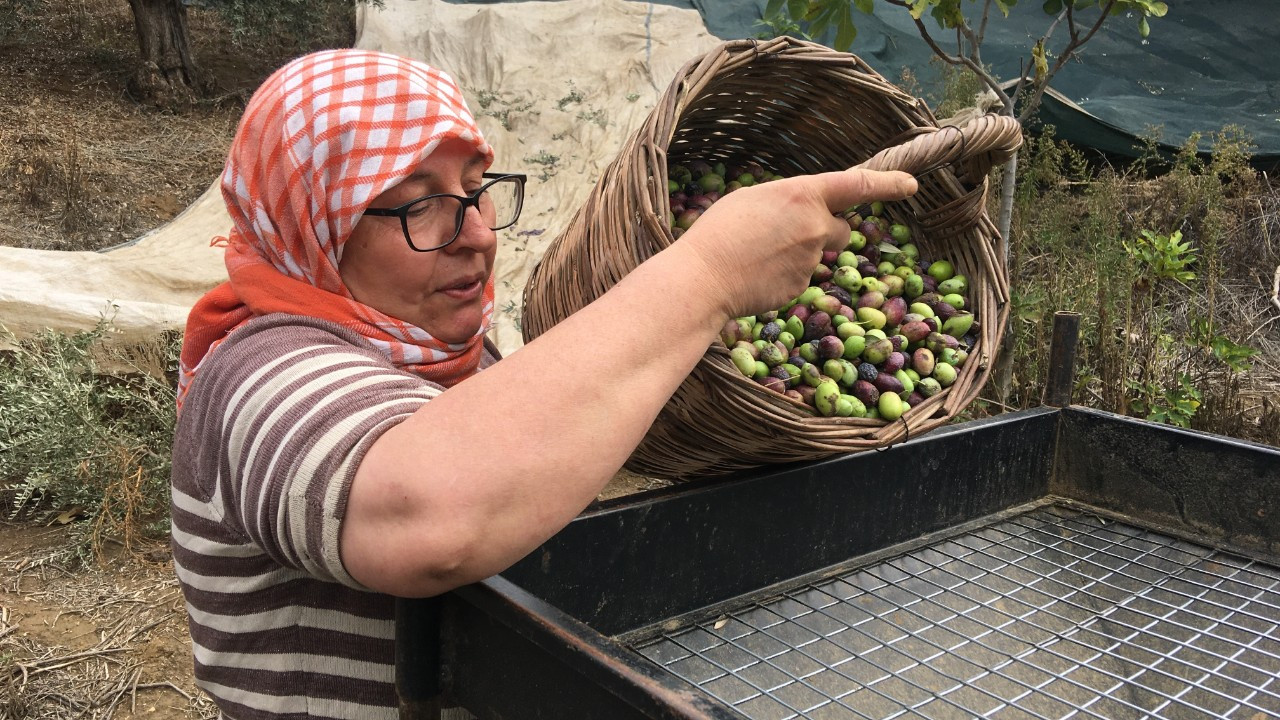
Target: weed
[
  {"x": 86, "y": 426},
  {"x": 549, "y": 163},
  {"x": 1152, "y": 256},
  {"x": 632, "y": 97},
  {"x": 574, "y": 97},
  {"x": 499, "y": 106},
  {"x": 597, "y": 117}
]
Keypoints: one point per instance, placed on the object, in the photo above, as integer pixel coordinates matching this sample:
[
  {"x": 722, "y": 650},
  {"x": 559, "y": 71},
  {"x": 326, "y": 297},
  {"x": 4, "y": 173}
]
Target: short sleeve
[{"x": 295, "y": 408}]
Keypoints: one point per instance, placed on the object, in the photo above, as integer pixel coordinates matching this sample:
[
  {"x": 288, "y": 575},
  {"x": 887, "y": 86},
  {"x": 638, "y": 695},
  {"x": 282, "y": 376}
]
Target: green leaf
[
  {"x": 1004, "y": 7},
  {"x": 772, "y": 8},
  {"x": 797, "y": 8},
  {"x": 846, "y": 32},
  {"x": 1158, "y": 9},
  {"x": 1051, "y": 7},
  {"x": 1143, "y": 28},
  {"x": 917, "y": 10},
  {"x": 866, "y": 6}
]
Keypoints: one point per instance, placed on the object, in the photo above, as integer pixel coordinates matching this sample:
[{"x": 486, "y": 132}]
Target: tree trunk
[
  {"x": 168, "y": 71},
  {"x": 1008, "y": 185},
  {"x": 1002, "y": 373}
]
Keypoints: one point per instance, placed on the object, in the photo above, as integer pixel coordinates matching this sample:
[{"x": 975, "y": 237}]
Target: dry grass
[
  {"x": 97, "y": 642},
  {"x": 1139, "y": 335}
]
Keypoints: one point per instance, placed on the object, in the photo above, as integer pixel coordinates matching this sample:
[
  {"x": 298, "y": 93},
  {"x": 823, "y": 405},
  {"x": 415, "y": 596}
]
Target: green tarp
[{"x": 1205, "y": 65}]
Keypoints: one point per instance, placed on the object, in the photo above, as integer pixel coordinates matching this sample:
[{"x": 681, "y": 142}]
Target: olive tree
[
  {"x": 967, "y": 21},
  {"x": 167, "y": 63}
]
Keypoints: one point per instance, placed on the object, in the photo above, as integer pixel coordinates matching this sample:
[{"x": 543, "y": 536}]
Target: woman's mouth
[{"x": 465, "y": 290}]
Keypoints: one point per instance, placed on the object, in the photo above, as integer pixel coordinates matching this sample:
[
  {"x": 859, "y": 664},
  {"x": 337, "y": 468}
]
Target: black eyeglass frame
[{"x": 464, "y": 201}]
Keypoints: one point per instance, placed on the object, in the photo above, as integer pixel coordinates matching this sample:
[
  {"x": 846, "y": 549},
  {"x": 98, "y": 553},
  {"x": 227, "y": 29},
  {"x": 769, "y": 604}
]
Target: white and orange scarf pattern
[{"x": 323, "y": 137}]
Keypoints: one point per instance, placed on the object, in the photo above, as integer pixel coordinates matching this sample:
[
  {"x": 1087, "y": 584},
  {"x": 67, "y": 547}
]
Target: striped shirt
[{"x": 264, "y": 453}]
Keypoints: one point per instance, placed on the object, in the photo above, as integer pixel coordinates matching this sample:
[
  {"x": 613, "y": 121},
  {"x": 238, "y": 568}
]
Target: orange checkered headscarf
[{"x": 323, "y": 137}]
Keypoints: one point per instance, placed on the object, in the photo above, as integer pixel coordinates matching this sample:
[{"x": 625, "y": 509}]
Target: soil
[
  {"x": 84, "y": 166},
  {"x": 99, "y": 639}
]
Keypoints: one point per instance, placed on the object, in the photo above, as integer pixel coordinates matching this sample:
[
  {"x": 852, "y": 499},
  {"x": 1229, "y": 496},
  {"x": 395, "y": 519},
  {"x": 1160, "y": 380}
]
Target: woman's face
[{"x": 442, "y": 291}]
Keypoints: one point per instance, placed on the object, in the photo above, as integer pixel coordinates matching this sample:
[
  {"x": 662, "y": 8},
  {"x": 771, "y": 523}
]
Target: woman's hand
[{"x": 760, "y": 244}]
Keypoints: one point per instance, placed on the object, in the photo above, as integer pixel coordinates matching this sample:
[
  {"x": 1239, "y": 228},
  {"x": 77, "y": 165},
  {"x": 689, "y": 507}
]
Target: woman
[{"x": 337, "y": 444}]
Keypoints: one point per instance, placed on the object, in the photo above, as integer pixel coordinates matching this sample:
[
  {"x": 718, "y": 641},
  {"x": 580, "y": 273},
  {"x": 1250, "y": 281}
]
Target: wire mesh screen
[{"x": 1051, "y": 614}]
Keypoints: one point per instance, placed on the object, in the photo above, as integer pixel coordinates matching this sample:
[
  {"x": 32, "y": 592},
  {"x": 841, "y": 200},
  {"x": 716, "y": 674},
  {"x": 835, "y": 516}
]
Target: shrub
[{"x": 86, "y": 426}]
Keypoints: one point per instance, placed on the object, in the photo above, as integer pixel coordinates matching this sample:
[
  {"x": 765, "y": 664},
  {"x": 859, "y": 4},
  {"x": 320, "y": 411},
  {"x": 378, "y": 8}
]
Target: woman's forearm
[{"x": 487, "y": 471}]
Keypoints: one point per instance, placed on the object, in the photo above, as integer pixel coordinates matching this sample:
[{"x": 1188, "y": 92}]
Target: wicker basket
[{"x": 796, "y": 108}]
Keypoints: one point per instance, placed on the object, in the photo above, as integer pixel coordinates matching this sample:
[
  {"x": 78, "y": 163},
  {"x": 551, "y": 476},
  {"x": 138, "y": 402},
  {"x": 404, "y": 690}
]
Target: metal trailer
[{"x": 1051, "y": 563}]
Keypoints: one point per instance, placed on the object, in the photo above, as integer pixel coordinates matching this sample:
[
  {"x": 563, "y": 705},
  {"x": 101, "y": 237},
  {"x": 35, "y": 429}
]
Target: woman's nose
[{"x": 475, "y": 234}]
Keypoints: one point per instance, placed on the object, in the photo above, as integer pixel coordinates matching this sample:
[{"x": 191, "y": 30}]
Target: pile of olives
[{"x": 880, "y": 329}]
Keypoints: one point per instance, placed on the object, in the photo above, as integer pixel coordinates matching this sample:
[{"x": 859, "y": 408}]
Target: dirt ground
[
  {"x": 83, "y": 165},
  {"x": 102, "y": 640}
]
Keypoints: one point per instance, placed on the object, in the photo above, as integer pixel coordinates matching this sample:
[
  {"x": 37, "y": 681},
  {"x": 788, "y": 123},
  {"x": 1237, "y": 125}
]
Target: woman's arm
[{"x": 483, "y": 474}]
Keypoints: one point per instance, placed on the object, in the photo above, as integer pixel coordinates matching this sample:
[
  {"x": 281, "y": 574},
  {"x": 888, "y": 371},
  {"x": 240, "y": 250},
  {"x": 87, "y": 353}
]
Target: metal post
[
  {"x": 1062, "y": 359},
  {"x": 418, "y": 658}
]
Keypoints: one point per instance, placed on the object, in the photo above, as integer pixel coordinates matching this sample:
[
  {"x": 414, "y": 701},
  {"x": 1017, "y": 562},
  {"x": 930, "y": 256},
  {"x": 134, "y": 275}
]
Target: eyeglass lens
[{"x": 436, "y": 221}]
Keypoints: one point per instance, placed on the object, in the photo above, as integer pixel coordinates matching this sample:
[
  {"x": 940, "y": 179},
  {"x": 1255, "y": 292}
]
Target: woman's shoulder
[{"x": 282, "y": 329}]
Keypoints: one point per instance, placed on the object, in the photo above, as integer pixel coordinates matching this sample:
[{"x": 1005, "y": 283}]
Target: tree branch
[
  {"x": 982, "y": 27},
  {"x": 1067, "y": 52},
  {"x": 933, "y": 45}
]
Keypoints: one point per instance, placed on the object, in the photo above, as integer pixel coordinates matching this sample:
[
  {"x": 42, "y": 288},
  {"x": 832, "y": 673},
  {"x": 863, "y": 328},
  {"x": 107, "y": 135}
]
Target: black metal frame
[{"x": 548, "y": 638}]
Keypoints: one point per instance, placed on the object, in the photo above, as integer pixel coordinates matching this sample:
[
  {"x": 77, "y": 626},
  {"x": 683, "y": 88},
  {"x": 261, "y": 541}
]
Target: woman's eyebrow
[{"x": 428, "y": 175}]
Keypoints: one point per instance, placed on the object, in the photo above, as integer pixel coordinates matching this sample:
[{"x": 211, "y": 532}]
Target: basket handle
[{"x": 981, "y": 143}]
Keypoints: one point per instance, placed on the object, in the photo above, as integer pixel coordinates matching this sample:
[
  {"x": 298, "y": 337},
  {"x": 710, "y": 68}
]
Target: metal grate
[{"x": 1052, "y": 614}]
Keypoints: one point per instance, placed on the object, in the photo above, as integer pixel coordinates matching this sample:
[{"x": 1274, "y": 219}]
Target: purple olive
[
  {"x": 894, "y": 308},
  {"x": 841, "y": 294},
  {"x": 821, "y": 274},
  {"x": 887, "y": 383},
  {"x": 915, "y": 330},
  {"x": 799, "y": 311},
  {"x": 807, "y": 393},
  {"x": 866, "y": 392},
  {"x": 701, "y": 200},
  {"x": 944, "y": 311},
  {"x": 830, "y": 347},
  {"x": 687, "y": 218},
  {"x": 773, "y": 383},
  {"x": 873, "y": 299},
  {"x": 895, "y": 362},
  {"x": 818, "y": 325}
]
